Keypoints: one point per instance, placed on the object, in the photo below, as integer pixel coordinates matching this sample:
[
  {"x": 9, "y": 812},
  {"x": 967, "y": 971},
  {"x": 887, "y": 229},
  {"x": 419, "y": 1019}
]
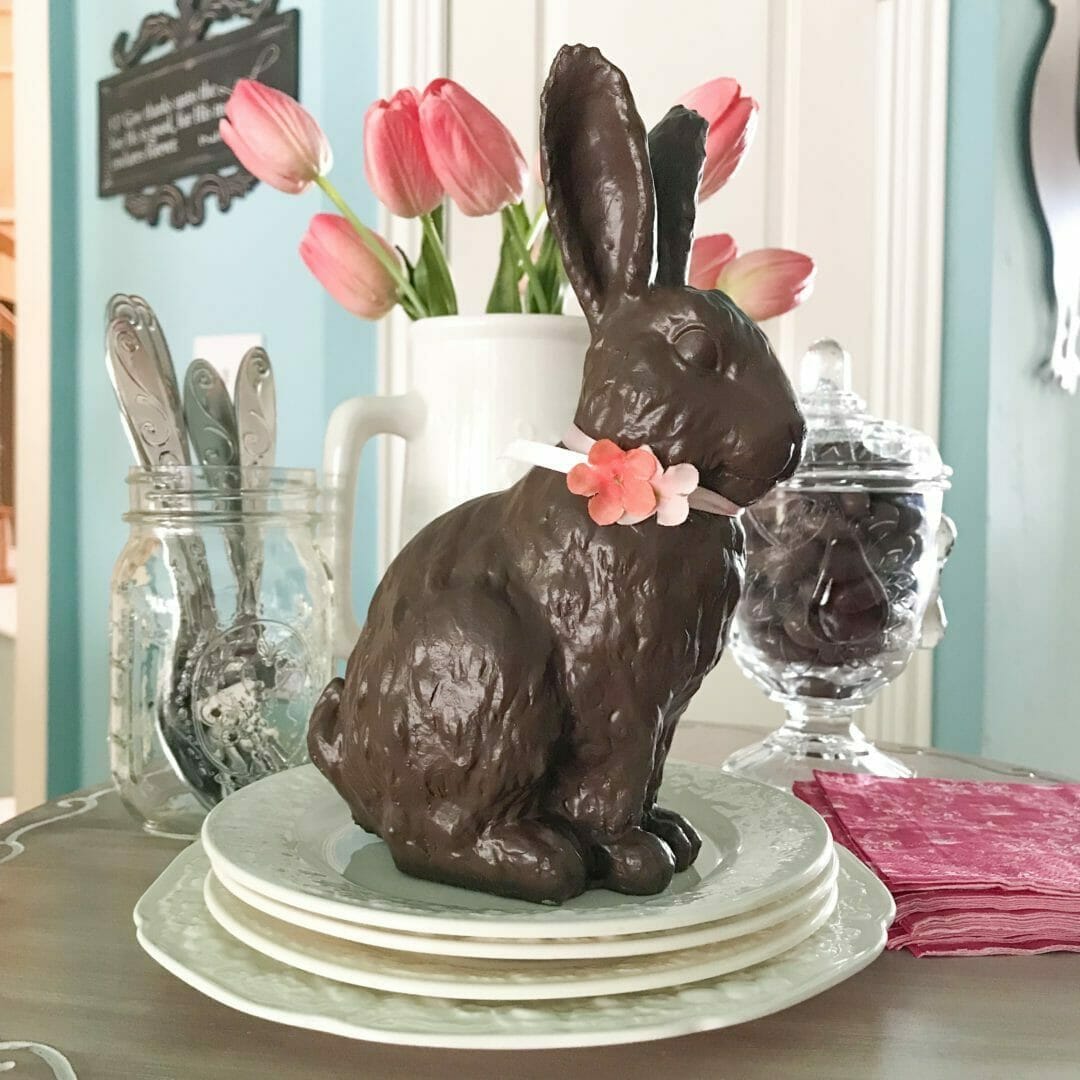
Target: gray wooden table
[{"x": 78, "y": 998}]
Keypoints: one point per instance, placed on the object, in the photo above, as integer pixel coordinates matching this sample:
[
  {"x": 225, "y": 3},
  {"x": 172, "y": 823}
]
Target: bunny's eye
[{"x": 697, "y": 348}]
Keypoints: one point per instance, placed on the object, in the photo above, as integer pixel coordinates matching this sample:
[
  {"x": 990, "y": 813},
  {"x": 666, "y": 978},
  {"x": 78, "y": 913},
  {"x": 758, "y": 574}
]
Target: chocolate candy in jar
[{"x": 842, "y": 563}]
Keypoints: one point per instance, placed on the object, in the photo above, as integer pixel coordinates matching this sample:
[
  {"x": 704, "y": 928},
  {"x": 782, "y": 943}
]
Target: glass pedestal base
[{"x": 813, "y": 738}]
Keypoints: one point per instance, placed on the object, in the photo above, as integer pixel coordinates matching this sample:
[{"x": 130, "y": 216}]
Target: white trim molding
[
  {"x": 413, "y": 49},
  {"x": 905, "y": 369},
  {"x": 782, "y": 149},
  {"x": 33, "y": 289}
]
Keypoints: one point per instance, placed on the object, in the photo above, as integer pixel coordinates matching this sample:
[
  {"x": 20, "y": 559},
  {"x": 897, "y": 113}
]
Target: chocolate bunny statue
[{"x": 505, "y": 716}]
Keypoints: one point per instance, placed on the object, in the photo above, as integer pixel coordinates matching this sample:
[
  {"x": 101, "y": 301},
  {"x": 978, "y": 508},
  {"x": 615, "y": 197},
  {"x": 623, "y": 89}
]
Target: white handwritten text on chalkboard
[{"x": 137, "y": 136}]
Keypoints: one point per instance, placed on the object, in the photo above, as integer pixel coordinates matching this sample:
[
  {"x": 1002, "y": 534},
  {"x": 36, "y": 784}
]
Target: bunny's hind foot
[
  {"x": 638, "y": 863},
  {"x": 677, "y": 833},
  {"x": 526, "y": 860}
]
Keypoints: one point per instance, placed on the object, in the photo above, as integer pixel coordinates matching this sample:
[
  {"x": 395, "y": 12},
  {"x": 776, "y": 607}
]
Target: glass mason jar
[
  {"x": 841, "y": 585},
  {"x": 219, "y": 636}
]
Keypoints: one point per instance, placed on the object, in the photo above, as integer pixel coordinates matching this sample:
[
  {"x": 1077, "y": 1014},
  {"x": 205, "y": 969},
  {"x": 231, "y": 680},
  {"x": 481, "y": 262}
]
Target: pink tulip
[
  {"x": 274, "y": 137},
  {"x": 764, "y": 283},
  {"x": 768, "y": 282},
  {"x": 732, "y": 121},
  {"x": 395, "y": 160},
  {"x": 708, "y": 257},
  {"x": 475, "y": 157},
  {"x": 347, "y": 268}
]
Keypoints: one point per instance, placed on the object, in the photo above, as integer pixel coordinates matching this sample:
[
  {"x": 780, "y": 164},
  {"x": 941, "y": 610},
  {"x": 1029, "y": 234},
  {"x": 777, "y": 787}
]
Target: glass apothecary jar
[
  {"x": 841, "y": 586},
  {"x": 220, "y": 626}
]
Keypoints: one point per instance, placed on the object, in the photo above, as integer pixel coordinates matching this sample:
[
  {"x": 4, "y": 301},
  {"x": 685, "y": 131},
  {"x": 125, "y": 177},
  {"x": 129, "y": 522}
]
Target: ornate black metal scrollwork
[
  {"x": 189, "y": 209},
  {"x": 187, "y": 27}
]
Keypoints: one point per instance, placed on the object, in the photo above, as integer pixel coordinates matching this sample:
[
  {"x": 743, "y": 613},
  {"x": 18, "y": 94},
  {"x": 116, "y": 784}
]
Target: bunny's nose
[{"x": 798, "y": 436}]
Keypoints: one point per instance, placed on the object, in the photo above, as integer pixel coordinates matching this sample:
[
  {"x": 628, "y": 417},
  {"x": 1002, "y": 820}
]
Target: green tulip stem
[
  {"x": 371, "y": 241},
  {"x": 517, "y": 241},
  {"x": 442, "y": 268},
  {"x": 538, "y": 227}
]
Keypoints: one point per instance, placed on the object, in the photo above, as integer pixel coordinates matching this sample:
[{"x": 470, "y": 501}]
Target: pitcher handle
[{"x": 351, "y": 425}]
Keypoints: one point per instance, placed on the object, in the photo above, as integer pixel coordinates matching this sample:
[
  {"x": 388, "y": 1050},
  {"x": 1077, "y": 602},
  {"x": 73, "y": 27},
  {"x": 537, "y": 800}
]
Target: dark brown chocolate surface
[
  {"x": 507, "y": 711},
  {"x": 830, "y": 575}
]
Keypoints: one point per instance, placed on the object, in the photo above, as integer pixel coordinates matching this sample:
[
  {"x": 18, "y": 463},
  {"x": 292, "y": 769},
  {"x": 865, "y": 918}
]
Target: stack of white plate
[{"x": 288, "y": 911}]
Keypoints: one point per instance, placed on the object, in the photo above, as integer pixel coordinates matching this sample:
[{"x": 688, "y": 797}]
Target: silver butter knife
[
  {"x": 141, "y": 315},
  {"x": 255, "y": 401},
  {"x": 255, "y": 398},
  {"x": 211, "y": 426},
  {"x": 156, "y": 434},
  {"x": 155, "y": 431},
  {"x": 211, "y": 421}
]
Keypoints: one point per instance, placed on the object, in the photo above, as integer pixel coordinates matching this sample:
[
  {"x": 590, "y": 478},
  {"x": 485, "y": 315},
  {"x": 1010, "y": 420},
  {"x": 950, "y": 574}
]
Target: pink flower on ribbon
[
  {"x": 732, "y": 118},
  {"x": 616, "y": 481},
  {"x": 673, "y": 486},
  {"x": 764, "y": 283}
]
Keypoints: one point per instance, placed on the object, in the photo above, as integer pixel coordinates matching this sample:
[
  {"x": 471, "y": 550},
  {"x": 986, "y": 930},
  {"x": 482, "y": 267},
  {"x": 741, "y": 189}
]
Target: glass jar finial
[{"x": 825, "y": 367}]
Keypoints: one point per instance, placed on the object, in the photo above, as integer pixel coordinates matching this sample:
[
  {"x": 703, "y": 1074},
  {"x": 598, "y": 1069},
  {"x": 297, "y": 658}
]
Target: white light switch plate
[{"x": 225, "y": 351}]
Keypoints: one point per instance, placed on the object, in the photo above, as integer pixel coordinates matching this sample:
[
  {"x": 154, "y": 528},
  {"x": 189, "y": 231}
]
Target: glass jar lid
[{"x": 846, "y": 446}]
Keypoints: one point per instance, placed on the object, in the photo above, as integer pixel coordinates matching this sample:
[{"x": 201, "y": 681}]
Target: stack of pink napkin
[{"x": 975, "y": 868}]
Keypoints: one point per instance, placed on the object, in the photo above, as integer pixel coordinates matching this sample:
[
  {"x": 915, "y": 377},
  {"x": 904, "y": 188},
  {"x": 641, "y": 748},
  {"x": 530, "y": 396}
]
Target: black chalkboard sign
[{"x": 158, "y": 121}]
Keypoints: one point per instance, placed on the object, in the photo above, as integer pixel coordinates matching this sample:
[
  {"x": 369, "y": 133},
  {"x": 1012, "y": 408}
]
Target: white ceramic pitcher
[{"x": 476, "y": 383}]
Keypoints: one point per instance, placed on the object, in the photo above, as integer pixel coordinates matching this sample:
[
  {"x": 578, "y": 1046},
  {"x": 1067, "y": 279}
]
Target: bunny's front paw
[
  {"x": 677, "y": 833},
  {"x": 638, "y": 863}
]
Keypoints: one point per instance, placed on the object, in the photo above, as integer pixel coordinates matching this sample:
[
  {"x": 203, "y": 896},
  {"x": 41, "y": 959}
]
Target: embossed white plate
[
  {"x": 176, "y": 929},
  {"x": 473, "y": 979},
  {"x": 290, "y": 838},
  {"x": 540, "y": 948}
]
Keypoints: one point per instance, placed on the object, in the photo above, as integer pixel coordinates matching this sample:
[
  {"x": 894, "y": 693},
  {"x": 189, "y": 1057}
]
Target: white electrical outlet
[{"x": 224, "y": 352}]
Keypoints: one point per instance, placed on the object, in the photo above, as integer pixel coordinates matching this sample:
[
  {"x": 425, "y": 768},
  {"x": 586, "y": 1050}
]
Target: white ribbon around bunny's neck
[{"x": 576, "y": 452}]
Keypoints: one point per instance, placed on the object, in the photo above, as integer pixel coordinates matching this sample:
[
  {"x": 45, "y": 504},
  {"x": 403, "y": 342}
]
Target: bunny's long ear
[
  {"x": 599, "y": 186},
  {"x": 677, "y": 154}
]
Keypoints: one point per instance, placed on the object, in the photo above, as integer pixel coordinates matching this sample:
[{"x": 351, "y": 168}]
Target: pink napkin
[{"x": 975, "y": 867}]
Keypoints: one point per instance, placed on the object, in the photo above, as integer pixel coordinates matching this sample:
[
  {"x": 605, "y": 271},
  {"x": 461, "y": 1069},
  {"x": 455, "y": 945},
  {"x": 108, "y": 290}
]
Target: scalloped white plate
[
  {"x": 176, "y": 929},
  {"x": 290, "y": 838},
  {"x": 541, "y": 948},
  {"x": 474, "y": 979}
]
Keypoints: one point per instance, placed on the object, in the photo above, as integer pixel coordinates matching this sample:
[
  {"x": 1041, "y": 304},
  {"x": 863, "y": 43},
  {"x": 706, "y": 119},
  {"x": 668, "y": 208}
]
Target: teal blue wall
[
  {"x": 1004, "y": 675},
  {"x": 65, "y": 714},
  {"x": 237, "y": 272}
]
